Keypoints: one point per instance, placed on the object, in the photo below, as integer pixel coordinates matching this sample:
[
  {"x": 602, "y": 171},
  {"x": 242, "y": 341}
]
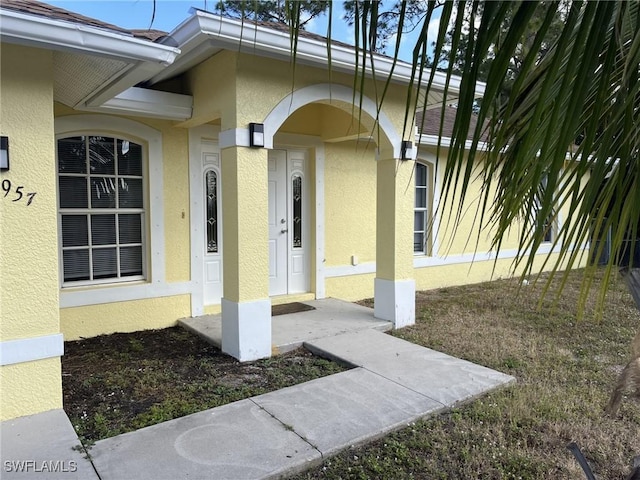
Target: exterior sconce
[
  {"x": 4, "y": 153},
  {"x": 256, "y": 135},
  {"x": 406, "y": 148}
]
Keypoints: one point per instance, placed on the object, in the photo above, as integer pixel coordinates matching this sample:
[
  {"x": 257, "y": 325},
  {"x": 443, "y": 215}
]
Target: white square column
[
  {"x": 246, "y": 306},
  {"x": 394, "y": 287},
  {"x": 395, "y": 301}
]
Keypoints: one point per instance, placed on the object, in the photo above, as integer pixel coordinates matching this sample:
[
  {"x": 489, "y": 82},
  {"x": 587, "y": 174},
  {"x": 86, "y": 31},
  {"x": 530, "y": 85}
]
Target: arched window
[
  {"x": 422, "y": 209},
  {"x": 101, "y": 201}
]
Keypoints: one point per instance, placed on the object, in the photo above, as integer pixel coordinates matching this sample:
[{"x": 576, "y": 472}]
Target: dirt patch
[{"x": 122, "y": 382}]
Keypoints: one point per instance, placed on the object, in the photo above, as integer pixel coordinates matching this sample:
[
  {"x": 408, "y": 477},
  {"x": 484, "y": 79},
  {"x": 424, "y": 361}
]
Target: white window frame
[
  {"x": 91, "y": 212},
  {"x": 153, "y": 231},
  {"x": 427, "y": 249}
]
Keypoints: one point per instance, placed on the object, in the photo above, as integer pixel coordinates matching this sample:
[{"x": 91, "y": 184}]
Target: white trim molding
[
  {"x": 235, "y": 137},
  {"x": 196, "y": 136},
  {"x": 347, "y": 270},
  {"x": 206, "y": 31},
  {"x": 31, "y": 349},
  {"x": 423, "y": 261},
  {"x": 121, "y": 292},
  {"x": 143, "y": 102},
  {"x": 328, "y": 92},
  {"x": 48, "y": 33}
]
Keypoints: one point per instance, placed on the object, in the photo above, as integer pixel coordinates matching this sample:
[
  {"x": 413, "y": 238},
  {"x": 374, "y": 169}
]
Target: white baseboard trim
[
  {"x": 422, "y": 261},
  {"x": 31, "y": 349}
]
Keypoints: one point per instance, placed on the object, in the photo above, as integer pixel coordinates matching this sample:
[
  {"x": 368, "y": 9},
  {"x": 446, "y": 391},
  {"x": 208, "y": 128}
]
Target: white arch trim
[{"x": 327, "y": 91}]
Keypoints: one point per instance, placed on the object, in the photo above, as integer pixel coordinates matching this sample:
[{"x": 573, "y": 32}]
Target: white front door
[{"x": 289, "y": 241}]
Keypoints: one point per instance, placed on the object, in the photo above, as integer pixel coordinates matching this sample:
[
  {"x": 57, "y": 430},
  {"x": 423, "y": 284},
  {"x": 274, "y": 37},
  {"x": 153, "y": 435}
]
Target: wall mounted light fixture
[
  {"x": 406, "y": 148},
  {"x": 256, "y": 135},
  {"x": 4, "y": 153}
]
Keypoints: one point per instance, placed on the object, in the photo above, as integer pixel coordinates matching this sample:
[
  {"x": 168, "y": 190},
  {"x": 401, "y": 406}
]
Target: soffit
[{"x": 76, "y": 76}]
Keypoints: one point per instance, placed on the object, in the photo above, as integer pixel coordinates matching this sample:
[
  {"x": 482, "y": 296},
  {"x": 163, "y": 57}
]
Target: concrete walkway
[{"x": 283, "y": 432}]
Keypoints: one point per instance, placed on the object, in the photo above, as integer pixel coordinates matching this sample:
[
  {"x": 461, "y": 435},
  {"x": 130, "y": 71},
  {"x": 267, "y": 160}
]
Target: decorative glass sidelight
[
  {"x": 211, "y": 190},
  {"x": 297, "y": 211}
]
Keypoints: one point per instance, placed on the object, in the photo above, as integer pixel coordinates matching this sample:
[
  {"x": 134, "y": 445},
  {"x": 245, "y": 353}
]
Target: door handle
[{"x": 284, "y": 230}]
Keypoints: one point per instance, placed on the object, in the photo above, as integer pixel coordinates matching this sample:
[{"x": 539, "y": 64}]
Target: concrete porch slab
[
  {"x": 441, "y": 377},
  {"x": 288, "y": 332},
  {"x": 42, "y": 446},
  {"x": 235, "y": 441}
]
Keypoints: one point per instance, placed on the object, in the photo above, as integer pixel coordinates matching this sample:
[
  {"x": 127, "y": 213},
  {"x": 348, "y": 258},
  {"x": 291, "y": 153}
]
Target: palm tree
[
  {"x": 567, "y": 136},
  {"x": 571, "y": 121}
]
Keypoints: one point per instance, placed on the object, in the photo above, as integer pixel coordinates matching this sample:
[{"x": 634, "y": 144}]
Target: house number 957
[{"x": 17, "y": 193}]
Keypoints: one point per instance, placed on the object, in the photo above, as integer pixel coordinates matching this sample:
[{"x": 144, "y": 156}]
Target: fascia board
[
  {"x": 52, "y": 34},
  {"x": 148, "y": 103},
  {"x": 275, "y": 43},
  {"x": 203, "y": 30}
]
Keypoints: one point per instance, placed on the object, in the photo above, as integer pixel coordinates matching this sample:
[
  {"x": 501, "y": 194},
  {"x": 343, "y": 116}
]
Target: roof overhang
[
  {"x": 203, "y": 34},
  {"x": 142, "y": 59},
  {"x": 32, "y": 30}
]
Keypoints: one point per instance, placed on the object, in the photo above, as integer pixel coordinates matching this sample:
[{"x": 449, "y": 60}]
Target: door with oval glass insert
[
  {"x": 212, "y": 195},
  {"x": 289, "y": 242}
]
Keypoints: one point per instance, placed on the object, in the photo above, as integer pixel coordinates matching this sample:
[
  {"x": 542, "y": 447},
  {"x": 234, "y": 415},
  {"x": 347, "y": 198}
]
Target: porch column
[
  {"x": 394, "y": 287},
  {"x": 246, "y": 307}
]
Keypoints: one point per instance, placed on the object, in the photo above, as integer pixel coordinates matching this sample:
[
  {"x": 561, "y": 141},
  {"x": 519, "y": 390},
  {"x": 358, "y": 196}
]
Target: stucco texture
[
  {"x": 245, "y": 235},
  {"x": 350, "y": 200},
  {"x": 28, "y": 233},
  {"x": 89, "y": 321},
  {"x": 29, "y": 388}
]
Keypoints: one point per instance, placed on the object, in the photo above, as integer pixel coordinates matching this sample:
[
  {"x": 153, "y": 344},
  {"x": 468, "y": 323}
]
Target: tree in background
[
  {"x": 454, "y": 60},
  {"x": 389, "y": 16},
  {"x": 275, "y": 10}
]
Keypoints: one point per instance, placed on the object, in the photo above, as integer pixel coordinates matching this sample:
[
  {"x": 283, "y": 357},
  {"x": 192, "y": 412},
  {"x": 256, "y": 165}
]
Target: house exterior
[{"x": 134, "y": 196}]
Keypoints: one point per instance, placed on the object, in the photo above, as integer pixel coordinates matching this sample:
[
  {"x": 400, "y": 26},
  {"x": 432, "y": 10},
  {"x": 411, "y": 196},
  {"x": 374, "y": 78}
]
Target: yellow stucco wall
[
  {"x": 245, "y": 233},
  {"x": 30, "y": 387},
  {"x": 351, "y": 288},
  {"x": 28, "y": 233},
  {"x": 261, "y": 83},
  {"x": 131, "y": 316},
  {"x": 350, "y": 201}
]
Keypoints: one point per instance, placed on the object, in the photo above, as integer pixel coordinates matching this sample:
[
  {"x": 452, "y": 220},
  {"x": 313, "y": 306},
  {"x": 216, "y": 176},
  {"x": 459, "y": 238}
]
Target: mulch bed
[{"x": 125, "y": 381}]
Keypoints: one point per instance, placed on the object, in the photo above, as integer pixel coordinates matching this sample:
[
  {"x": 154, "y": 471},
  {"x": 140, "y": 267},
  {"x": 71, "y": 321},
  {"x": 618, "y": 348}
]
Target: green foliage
[{"x": 280, "y": 11}]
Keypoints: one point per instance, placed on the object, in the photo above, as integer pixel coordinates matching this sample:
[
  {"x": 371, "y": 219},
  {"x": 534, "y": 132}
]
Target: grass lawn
[{"x": 565, "y": 370}]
